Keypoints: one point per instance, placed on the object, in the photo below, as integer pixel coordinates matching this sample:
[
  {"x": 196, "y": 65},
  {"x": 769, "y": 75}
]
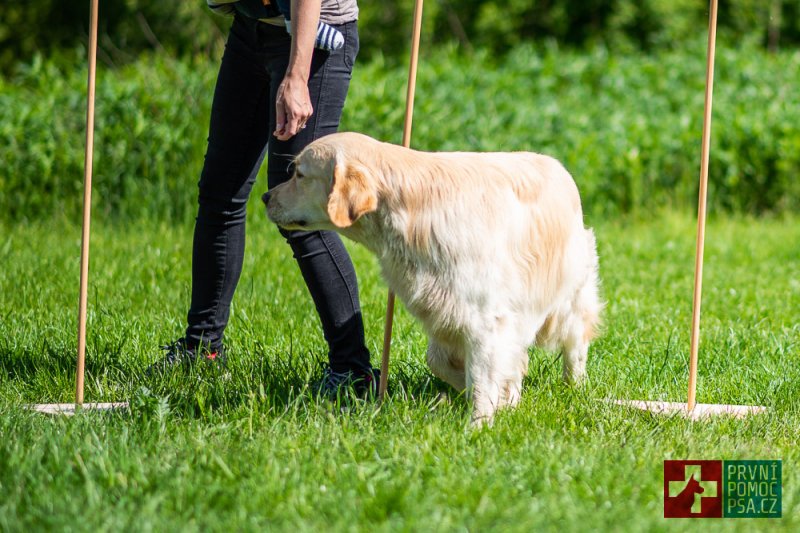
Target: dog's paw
[
  {"x": 574, "y": 379},
  {"x": 481, "y": 421},
  {"x": 442, "y": 399}
]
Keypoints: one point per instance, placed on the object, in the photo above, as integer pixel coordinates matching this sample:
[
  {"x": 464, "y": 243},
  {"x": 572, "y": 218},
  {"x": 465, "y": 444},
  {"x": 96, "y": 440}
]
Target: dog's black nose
[{"x": 265, "y": 197}]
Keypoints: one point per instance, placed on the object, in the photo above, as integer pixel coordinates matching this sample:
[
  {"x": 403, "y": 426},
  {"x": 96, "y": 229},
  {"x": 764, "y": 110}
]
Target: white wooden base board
[
  {"x": 700, "y": 411},
  {"x": 69, "y": 409}
]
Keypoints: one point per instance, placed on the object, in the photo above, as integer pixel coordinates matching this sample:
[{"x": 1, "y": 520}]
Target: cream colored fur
[{"x": 487, "y": 250}]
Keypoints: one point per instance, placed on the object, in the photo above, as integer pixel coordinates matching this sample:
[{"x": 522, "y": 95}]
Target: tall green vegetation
[{"x": 626, "y": 125}]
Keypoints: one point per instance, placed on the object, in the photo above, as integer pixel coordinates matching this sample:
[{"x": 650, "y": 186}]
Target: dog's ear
[{"x": 352, "y": 195}]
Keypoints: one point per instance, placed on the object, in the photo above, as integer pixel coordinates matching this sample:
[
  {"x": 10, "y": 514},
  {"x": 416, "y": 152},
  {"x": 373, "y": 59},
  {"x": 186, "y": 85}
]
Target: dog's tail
[
  {"x": 592, "y": 304},
  {"x": 577, "y": 320}
]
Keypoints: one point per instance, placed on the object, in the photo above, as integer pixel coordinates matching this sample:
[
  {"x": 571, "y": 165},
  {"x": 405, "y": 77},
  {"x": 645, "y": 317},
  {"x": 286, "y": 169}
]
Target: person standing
[{"x": 275, "y": 93}]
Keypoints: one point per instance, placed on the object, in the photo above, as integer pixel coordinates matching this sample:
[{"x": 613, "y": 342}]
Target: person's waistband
[
  {"x": 329, "y": 14},
  {"x": 259, "y": 13}
]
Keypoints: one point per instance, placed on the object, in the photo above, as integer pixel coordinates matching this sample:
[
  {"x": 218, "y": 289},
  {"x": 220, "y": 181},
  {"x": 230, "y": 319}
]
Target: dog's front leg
[
  {"x": 496, "y": 366},
  {"x": 483, "y": 387},
  {"x": 446, "y": 364}
]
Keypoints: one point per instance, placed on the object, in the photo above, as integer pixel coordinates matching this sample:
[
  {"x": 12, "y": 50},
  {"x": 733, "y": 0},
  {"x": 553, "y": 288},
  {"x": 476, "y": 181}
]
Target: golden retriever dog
[{"x": 487, "y": 250}]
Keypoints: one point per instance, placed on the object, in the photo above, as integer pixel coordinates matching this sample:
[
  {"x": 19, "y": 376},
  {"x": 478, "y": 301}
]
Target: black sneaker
[
  {"x": 362, "y": 385},
  {"x": 179, "y": 353}
]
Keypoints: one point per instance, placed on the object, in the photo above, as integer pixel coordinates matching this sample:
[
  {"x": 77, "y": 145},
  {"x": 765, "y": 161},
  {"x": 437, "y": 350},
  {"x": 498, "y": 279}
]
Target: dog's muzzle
[{"x": 293, "y": 224}]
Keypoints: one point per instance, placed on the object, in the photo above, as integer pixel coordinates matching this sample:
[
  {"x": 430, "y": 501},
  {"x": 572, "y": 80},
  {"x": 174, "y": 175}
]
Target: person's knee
[
  {"x": 296, "y": 237},
  {"x": 220, "y": 207}
]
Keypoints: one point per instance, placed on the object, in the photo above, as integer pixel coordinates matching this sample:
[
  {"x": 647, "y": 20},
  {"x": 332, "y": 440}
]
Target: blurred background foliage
[
  {"x": 613, "y": 88},
  {"x": 130, "y": 27},
  {"x": 627, "y": 126}
]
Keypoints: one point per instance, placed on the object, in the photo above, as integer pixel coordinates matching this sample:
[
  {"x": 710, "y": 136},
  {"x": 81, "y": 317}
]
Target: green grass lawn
[{"x": 254, "y": 450}]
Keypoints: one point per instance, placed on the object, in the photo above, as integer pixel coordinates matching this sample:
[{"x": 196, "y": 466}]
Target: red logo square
[{"x": 692, "y": 489}]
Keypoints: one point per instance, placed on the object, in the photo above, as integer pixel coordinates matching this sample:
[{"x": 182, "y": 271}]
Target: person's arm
[{"x": 293, "y": 104}]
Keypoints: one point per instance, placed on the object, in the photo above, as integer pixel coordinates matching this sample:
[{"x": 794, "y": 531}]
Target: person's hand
[{"x": 292, "y": 107}]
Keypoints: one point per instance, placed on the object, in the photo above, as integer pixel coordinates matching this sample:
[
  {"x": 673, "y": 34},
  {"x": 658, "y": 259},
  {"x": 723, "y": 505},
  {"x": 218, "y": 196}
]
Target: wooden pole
[
  {"x": 701, "y": 208},
  {"x": 412, "y": 85},
  {"x": 412, "y": 73},
  {"x": 87, "y": 202}
]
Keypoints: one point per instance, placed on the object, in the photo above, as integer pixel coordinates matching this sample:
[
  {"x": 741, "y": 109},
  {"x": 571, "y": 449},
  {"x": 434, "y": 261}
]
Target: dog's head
[{"x": 328, "y": 190}]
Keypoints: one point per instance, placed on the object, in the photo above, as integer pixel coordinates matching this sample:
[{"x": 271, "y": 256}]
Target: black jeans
[{"x": 240, "y": 135}]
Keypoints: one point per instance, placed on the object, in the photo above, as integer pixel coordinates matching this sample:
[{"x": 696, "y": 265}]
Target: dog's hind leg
[
  {"x": 446, "y": 365},
  {"x": 565, "y": 330},
  {"x": 579, "y": 324},
  {"x": 579, "y": 330},
  {"x": 574, "y": 355}
]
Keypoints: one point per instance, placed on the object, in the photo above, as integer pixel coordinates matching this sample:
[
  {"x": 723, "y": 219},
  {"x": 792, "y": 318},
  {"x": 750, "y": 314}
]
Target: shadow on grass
[
  {"x": 24, "y": 363},
  {"x": 275, "y": 379}
]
